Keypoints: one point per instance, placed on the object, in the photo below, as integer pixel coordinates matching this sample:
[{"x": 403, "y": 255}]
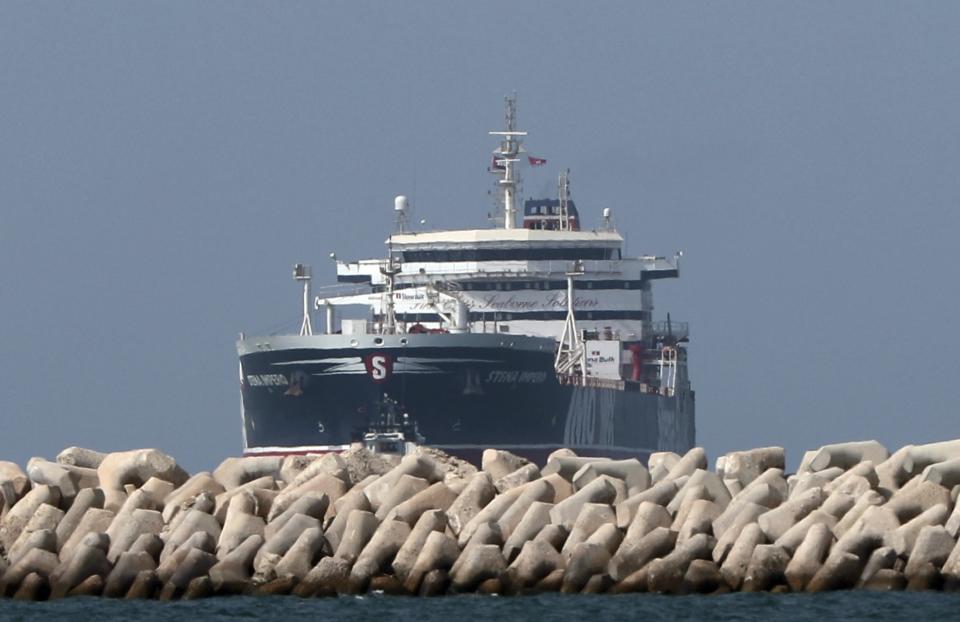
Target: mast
[
  {"x": 302, "y": 273},
  {"x": 389, "y": 272},
  {"x": 563, "y": 194},
  {"x": 571, "y": 355},
  {"x": 505, "y": 157}
]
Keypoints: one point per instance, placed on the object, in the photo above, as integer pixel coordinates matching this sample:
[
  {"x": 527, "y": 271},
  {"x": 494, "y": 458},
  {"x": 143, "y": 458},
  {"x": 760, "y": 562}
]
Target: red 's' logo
[{"x": 379, "y": 366}]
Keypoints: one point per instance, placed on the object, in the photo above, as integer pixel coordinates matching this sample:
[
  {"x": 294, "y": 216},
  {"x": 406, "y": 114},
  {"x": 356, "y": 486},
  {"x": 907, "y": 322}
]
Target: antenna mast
[
  {"x": 301, "y": 272},
  {"x": 390, "y": 271},
  {"x": 505, "y": 157},
  {"x": 572, "y": 354},
  {"x": 563, "y": 194}
]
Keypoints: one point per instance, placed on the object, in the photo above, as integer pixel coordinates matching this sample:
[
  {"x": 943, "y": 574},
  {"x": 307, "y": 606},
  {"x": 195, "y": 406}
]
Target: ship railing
[
  {"x": 680, "y": 330},
  {"x": 591, "y": 381},
  {"x": 613, "y": 383},
  {"x": 508, "y": 269}
]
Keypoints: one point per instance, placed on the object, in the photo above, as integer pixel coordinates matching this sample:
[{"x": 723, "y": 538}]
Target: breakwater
[{"x": 135, "y": 525}]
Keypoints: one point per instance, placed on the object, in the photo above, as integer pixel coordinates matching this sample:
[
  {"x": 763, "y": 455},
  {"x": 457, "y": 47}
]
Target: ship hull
[{"x": 465, "y": 392}]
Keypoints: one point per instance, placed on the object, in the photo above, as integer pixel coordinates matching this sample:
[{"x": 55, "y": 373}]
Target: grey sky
[{"x": 163, "y": 164}]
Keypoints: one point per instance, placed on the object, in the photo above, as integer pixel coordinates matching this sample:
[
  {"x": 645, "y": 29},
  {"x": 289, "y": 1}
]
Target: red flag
[{"x": 536, "y": 161}]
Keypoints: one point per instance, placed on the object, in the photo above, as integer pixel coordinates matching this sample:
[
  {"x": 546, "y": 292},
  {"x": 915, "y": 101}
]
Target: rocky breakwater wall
[{"x": 135, "y": 525}]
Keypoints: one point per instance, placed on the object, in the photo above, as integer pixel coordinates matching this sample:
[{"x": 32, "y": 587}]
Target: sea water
[{"x": 848, "y": 606}]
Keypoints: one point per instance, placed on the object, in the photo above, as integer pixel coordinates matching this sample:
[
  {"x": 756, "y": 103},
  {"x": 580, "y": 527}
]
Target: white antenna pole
[
  {"x": 563, "y": 194},
  {"x": 506, "y": 157},
  {"x": 571, "y": 355},
  {"x": 301, "y": 272}
]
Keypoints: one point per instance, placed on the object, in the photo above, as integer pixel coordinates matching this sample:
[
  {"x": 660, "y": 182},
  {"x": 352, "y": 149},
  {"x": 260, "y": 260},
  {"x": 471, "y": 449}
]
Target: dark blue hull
[{"x": 466, "y": 393}]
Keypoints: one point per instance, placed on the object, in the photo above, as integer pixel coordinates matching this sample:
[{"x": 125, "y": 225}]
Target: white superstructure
[{"x": 513, "y": 279}]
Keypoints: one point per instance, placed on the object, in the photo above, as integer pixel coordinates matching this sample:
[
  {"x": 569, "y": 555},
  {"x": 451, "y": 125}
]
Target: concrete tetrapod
[
  {"x": 808, "y": 556},
  {"x": 660, "y": 493},
  {"x": 302, "y": 555},
  {"x": 777, "y": 521},
  {"x": 566, "y": 512},
  {"x": 634, "y": 554},
  {"x": 353, "y": 500},
  {"x": 746, "y": 466},
  {"x": 199, "y": 483},
  {"x": 440, "y": 551},
  {"x": 46, "y": 519},
  {"x": 88, "y": 559},
  {"x": 534, "y": 520},
  {"x": 263, "y": 489},
  {"x": 85, "y": 499},
  {"x": 747, "y": 514},
  {"x": 231, "y": 575},
  {"x": 839, "y": 572},
  {"x": 584, "y": 561},
  {"x": 734, "y": 567},
  {"x": 592, "y": 516},
  {"x": 359, "y": 528},
  {"x": 945, "y": 473},
  {"x": 81, "y": 457},
  {"x": 767, "y": 567},
  {"x": 665, "y": 575},
  {"x": 499, "y": 463},
  {"x": 429, "y": 522},
  {"x": 44, "y": 539},
  {"x": 648, "y": 517},
  {"x": 691, "y": 461},
  {"x": 903, "y": 538},
  {"x": 241, "y": 523},
  {"x": 276, "y": 547},
  {"x": 200, "y": 541},
  {"x": 476, "y": 564},
  {"x": 312, "y": 504},
  {"x": 567, "y": 466},
  {"x": 123, "y": 533},
  {"x": 233, "y": 472},
  {"x": 660, "y": 462},
  {"x": 125, "y": 570},
  {"x": 437, "y": 496},
  {"x": 631, "y": 472},
  {"x": 882, "y": 558},
  {"x": 67, "y": 481},
  {"x": 93, "y": 521},
  {"x": 379, "y": 552},
  {"x": 19, "y": 515},
  {"x": 533, "y": 491},
  {"x": 933, "y": 546},
  {"x": 324, "y": 484},
  {"x": 478, "y": 493},
  {"x": 844, "y": 455},
  {"x": 526, "y": 473},
  {"x": 36, "y": 561},
  {"x": 135, "y": 467},
  {"x": 536, "y": 560},
  {"x": 415, "y": 466}
]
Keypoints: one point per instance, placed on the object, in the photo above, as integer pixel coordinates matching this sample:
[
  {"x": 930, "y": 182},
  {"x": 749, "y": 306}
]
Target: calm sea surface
[{"x": 913, "y": 607}]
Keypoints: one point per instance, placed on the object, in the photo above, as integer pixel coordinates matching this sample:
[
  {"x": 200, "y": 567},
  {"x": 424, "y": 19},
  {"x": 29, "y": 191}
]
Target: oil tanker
[{"x": 530, "y": 335}]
